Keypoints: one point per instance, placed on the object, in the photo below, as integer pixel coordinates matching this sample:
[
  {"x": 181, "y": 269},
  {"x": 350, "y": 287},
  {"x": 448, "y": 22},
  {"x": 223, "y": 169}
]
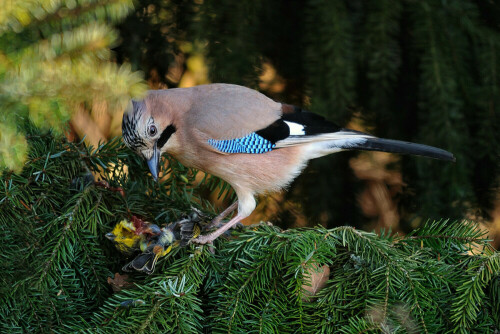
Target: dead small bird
[
  {"x": 132, "y": 235},
  {"x": 152, "y": 241}
]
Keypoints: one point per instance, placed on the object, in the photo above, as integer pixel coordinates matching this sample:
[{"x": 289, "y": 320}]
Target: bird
[
  {"x": 132, "y": 235},
  {"x": 156, "y": 248},
  {"x": 178, "y": 234},
  {"x": 238, "y": 134},
  {"x": 136, "y": 235}
]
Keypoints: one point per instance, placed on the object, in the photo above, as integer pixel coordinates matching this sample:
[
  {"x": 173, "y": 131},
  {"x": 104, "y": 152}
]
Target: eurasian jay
[{"x": 255, "y": 144}]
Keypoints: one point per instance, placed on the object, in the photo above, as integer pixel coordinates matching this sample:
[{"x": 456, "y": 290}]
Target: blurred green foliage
[{"x": 55, "y": 58}]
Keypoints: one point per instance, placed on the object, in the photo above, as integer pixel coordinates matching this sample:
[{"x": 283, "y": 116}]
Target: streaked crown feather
[{"x": 130, "y": 127}]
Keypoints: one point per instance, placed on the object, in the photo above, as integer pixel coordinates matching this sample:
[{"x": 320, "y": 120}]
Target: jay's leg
[
  {"x": 217, "y": 220},
  {"x": 204, "y": 239},
  {"x": 246, "y": 204}
]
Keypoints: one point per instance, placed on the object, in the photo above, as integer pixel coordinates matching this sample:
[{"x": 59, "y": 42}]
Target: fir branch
[
  {"x": 66, "y": 229},
  {"x": 150, "y": 317},
  {"x": 359, "y": 326},
  {"x": 471, "y": 292},
  {"x": 263, "y": 321},
  {"x": 234, "y": 301},
  {"x": 387, "y": 285},
  {"x": 464, "y": 239},
  {"x": 415, "y": 300},
  {"x": 254, "y": 281}
]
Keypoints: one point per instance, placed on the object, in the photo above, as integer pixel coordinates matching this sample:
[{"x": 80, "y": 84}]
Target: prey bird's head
[{"x": 146, "y": 129}]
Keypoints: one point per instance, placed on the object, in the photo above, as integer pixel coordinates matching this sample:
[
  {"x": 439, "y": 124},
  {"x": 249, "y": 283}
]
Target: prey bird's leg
[
  {"x": 204, "y": 239},
  {"x": 217, "y": 220}
]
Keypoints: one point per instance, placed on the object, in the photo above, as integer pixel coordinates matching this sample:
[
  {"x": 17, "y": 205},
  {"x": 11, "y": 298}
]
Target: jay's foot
[
  {"x": 220, "y": 224},
  {"x": 217, "y": 221},
  {"x": 189, "y": 226},
  {"x": 204, "y": 239}
]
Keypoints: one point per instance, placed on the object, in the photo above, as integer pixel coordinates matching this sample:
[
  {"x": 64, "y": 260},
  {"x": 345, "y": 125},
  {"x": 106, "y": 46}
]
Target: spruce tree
[
  {"x": 59, "y": 271},
  {"x": 58, "y": 199}
]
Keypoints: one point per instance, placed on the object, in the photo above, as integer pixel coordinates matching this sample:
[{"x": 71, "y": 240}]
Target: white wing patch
[{"x": 295, "y": 129}]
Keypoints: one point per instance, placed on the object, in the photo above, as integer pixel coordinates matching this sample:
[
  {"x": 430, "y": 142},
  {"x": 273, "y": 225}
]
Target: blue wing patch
[{"x": 253, "y": 143}]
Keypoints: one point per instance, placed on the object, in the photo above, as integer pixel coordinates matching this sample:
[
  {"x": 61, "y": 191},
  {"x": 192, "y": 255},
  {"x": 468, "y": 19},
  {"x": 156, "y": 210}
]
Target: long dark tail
[
  {"x": 401, "y": 147},
  {"x": 346, "y": 139}
]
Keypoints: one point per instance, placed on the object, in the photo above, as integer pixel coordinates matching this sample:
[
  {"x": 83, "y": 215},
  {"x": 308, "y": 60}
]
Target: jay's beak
[{"x": 154, "y": 162}]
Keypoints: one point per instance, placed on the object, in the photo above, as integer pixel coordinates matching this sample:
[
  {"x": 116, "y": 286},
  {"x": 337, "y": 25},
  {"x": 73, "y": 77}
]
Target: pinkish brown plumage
[{"x": 255, "y": 144}]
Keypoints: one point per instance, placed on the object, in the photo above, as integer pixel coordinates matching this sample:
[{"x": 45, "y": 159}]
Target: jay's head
[{"x": 147, "y": 131}]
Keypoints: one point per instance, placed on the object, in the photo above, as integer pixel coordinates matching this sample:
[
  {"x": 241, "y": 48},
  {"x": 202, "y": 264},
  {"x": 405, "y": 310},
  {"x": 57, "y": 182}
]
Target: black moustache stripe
[{"x": 165, "y": 135}]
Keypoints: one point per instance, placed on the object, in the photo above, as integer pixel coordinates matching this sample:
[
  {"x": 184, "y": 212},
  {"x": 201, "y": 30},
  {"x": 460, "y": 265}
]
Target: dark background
[{"x": 421, "y": 71}]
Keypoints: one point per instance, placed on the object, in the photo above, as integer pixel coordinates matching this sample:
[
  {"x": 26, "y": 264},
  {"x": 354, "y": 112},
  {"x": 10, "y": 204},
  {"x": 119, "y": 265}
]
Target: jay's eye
[{"x": 152, "y": 130}]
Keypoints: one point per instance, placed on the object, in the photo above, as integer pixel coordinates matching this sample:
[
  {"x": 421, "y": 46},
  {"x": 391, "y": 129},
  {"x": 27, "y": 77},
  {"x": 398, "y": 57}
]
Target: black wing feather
[
  {"x": 313, "y": 124},
  {"x": 275, "y": 132}
]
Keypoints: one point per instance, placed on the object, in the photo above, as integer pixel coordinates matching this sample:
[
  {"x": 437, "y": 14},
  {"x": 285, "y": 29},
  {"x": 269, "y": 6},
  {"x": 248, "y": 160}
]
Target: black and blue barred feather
[{"x": 252, "y": 144}]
